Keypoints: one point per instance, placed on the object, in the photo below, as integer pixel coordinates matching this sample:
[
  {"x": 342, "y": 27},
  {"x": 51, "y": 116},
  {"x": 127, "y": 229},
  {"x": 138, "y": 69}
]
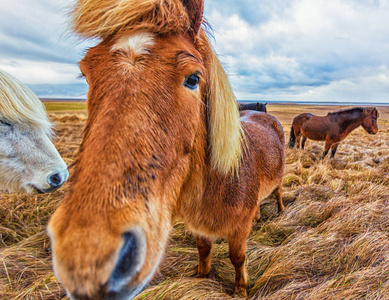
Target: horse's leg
[
  {"x": 204, "y": 246},
  {"x": 237, "y": 251},
  {"x": 298, "y": 139},
  {"x": 333, "y": 149},
  {"x": 297, "y": 134},
  {"x": 278, "y": 194},
  {"x": 303, "y": 140},
  {"x": 257, "y": 215},
  {"x": 327, "y": 147}
]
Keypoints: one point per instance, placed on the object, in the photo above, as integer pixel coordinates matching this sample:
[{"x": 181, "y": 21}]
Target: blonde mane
[
  {"x": 101, "y": 19},
  {"x": 104, "y": 19},
  {"x": 18, "y": 104},
  {"x": 226, "y": 135}
]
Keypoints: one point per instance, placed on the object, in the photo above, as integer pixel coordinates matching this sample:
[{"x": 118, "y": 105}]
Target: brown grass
[{"x": 330, "y": 243}]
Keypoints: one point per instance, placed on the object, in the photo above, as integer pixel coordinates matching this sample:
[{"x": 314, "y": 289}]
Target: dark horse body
[
  {"x": 253, "y": 106},
  {"x": 333, "y": 128}
]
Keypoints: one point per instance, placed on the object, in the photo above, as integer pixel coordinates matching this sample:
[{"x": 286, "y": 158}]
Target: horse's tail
[{"x": 292, "y": 138}]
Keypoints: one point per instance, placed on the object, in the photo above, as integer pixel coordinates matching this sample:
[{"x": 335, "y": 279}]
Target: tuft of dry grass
[{"x": 330, "y": 243}]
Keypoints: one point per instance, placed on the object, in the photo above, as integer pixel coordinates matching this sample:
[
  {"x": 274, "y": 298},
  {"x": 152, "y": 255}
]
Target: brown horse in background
[
  {"x": 163, "y": 140},
  {"x": 333, "y": 128}
]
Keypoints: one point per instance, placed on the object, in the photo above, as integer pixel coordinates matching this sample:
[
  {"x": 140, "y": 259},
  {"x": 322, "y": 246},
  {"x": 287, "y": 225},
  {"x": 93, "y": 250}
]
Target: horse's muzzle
[
  {"x": 126, "y": 294},
  {"x": 54, "y": 181},
  {"x": 120, "y": 285}
]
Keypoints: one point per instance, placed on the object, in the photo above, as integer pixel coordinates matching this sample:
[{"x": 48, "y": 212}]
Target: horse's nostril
[
  {"x": 129, "y": 260},
  {"x": 57, "y": 179}
]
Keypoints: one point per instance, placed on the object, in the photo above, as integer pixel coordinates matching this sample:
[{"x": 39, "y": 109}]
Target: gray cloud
[
  {"x": 275, "y": 50},
  {"x": 36, "y": 47},
  {"x": 304, "y": 48}
]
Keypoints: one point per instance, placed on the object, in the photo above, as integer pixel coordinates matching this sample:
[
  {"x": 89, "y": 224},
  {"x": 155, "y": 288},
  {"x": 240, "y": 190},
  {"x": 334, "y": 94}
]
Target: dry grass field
[{"x": 332, "y": 241}]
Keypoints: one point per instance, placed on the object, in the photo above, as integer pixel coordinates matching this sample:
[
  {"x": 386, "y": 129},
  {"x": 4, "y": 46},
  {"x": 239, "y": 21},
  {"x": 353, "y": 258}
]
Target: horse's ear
[
  {"x": 374, "y": 111},
  {"x": 368, "y": 110},
  {"x": 195, "y": 10}
]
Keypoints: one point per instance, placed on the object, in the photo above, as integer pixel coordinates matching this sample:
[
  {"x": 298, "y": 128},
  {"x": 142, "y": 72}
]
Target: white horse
[{"x": 28, "y": 159}]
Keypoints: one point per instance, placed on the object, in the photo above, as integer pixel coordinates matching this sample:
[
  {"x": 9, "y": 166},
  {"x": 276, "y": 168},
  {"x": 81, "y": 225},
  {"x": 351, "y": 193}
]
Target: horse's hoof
[
  {"x": 202, "y": 275},
  {"x": 203, "y": 272},
  {"x": 240, "y": 292}
]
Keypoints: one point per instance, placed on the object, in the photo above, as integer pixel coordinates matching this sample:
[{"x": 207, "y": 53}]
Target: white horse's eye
[{"x": 5, "y": 123}]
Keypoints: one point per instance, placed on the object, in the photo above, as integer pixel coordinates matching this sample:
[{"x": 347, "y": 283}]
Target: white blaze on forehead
[{"x": 135, "y": 45}]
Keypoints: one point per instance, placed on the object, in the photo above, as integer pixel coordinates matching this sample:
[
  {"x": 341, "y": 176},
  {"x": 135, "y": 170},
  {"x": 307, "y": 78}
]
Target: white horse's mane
[{"x": 18, "y": 104}]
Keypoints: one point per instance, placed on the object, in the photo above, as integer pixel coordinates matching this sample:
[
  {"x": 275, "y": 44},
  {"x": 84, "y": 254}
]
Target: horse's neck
[
  {"x": 202, "y": 178},
  {"x": 194, "y": 183},
  {"x": 350, "y": 123}
]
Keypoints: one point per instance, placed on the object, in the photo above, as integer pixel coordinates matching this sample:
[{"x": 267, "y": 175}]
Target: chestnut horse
[
  {"x": 163, "y": 140},
  {"x": 333, "y": 128}
]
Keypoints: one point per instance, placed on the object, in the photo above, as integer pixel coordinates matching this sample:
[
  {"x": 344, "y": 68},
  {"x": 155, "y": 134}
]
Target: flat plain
[{"x": 332, "y": 241}]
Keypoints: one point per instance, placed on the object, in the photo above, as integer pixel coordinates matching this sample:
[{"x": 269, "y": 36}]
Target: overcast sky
[{"x": 303, "y": 50}]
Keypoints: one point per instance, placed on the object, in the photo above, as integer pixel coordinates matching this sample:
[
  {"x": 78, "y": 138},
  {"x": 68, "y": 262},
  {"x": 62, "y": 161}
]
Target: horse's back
[
  {"x": 301, "y": 118},
  {"x": 314, "y": 127},
  {"x": 265, "y": 143},
  {"x": 262, "y": 124}
]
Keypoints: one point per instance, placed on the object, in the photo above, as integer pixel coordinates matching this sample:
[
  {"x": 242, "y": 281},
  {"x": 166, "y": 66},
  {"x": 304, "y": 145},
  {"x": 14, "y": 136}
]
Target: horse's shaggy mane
[
  {"x": 18, "y": 104},
  {"x": 364, "y": 110},
  {"x": 103, "y": 19},
  {"x": 225, "y": 130},
  {"x": 346, "y": 111}
]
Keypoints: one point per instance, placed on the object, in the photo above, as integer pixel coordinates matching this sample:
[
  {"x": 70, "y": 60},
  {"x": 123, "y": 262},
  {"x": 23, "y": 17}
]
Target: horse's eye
[
  {"x": 2, "y": 122},
  {"x": 192, "y": 81}
]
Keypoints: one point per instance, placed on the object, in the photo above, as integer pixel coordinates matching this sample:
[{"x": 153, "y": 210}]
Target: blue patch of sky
[
  {"x": 253, "y": 12},
  {"x": 74, "y": 90}
]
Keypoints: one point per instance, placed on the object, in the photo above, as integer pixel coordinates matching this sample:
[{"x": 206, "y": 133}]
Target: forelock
[
  {"x": 101, "y": 19},
  {"x": 19, "y": 104}
]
